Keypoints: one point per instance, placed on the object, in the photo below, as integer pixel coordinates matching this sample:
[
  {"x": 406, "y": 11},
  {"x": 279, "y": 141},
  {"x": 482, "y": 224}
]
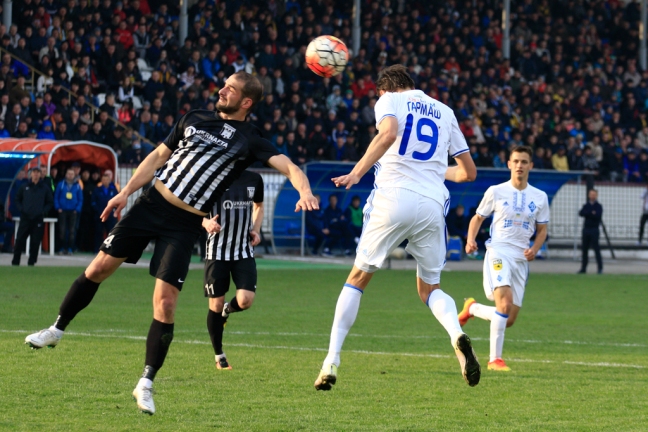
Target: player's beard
[{"x": 222, "y": 107}]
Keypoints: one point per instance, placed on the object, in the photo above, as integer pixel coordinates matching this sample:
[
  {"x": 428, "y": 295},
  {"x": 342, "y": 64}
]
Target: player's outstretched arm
[
  {"x": 541, "y": 236},
  {"x": 143, "y": 175},
  {"x": 377, "y": 148},
  {"x": 298, "y": 179},
  {"x": 464, "y": 171},
  {"x": 473, "y": 229}
]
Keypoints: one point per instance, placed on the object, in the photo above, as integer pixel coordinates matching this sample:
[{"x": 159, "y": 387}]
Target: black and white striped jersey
[
  {"x": 234, "y": 211},
  {"x": 209, "y": 153}
]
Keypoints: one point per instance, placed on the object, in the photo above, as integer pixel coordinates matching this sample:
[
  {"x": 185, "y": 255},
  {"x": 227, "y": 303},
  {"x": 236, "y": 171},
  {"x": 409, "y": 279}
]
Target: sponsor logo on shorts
[
  {"x": 180, "y": 280},
  {"x": 497, "y": 264},
  {"x": 499, "y": 278}
]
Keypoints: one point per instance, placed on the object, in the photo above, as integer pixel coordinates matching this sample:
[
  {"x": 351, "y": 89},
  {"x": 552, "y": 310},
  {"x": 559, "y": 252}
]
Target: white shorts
[
  {"x": 502, "y": 270},
  {"x": 392, "y": 215}
]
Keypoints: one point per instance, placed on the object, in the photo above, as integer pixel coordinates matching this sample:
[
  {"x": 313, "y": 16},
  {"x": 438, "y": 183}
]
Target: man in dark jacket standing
[
  {"x": 34, "y": 200},
  {"x": 592, "y": 211}
]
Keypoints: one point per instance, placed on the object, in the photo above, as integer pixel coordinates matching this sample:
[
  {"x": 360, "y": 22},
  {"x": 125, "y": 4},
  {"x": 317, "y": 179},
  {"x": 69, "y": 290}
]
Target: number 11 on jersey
[{"x": 430, "y": 139}]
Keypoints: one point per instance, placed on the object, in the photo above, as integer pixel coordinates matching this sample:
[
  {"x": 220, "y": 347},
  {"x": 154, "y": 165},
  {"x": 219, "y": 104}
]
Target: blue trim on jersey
[
  {"x": 502, "y": 315},
  {"x": 544, "y": 222},
  {"x": 383, "y": 117},
  {"x": 446, "y": 207},
  {"x": 348, "y": 285},
  {"x": 484, "y": 216},
  {"x": 460, "y": 152}
]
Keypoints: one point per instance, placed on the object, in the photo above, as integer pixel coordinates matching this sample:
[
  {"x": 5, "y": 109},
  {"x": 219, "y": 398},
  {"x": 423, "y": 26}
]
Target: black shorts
[
  {"x": 217, "y": 276},
  {"x": 174, "y": 230}
]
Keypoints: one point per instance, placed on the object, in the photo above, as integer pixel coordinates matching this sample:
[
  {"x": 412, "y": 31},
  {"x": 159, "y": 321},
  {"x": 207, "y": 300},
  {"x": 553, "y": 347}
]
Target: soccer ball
[
  {"x": 399, "y": 253},
  {"x": 327, "y": 56}
]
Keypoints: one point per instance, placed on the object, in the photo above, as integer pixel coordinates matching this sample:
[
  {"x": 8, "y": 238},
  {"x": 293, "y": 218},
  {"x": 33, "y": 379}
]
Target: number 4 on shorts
[{"x": 109, "y": 240}]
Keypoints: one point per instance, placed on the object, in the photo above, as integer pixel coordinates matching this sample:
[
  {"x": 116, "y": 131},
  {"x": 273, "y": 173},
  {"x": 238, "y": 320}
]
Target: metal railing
[{"x": 93, "y": 109}]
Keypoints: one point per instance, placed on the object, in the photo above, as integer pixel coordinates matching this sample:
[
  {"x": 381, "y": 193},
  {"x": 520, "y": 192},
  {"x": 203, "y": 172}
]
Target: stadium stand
[{"x": 572, "y": 87}]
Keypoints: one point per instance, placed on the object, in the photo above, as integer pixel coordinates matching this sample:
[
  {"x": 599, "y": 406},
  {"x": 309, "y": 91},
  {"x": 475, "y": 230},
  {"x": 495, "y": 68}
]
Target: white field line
[
  {"x": 303, "y": 334},
  {"x": 292, "y": 348},
  {"x": 531, "y": 341}
]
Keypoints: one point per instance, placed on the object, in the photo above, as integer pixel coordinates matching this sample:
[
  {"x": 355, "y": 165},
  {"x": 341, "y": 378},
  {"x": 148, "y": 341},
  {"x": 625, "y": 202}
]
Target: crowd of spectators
[{"x": 572, "y": 87}]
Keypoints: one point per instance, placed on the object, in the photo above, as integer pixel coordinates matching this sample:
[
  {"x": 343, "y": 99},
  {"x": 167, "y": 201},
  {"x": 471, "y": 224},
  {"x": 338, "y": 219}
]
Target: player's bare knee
[
  {"x": 216, "y": 304},
  {"x": 101, "y": 267},
  {"x": 245, "y": 299}
]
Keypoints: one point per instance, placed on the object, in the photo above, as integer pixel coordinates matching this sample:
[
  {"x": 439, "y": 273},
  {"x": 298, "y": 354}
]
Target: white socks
[
  {"x": 497, "y": 328},
  {"x": 346, "y": 312},
  {"x": 145, "y": 382},
  {"x": 482, "y": 311},
  {"x": 445, "y": 310}
]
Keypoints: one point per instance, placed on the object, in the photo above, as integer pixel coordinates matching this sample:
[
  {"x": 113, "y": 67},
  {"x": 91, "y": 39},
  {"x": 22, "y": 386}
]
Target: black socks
[
  {"x": 234, "y": 306},
  {"x": 215, "y": 325},
  {"x": 77, "y": 298},
  {"x": 157, "y": 346}
]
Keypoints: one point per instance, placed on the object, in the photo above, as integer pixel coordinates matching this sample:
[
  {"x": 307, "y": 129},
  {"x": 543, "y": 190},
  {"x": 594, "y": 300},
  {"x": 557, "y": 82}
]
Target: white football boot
[
  {"x": 48, "y": 337},
  {"x": 327, "y": 377},
  {"x": 144, "y": 397}
]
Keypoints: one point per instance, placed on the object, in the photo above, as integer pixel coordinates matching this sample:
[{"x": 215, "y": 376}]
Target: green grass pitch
[{"x": 579, "y": 354}]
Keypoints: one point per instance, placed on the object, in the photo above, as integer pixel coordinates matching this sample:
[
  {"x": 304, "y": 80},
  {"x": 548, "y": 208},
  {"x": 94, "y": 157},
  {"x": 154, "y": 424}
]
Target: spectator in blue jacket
[
  {"x": 100, "y": 197},
  {"x": 68, "y": 201},
  {"x": 46, "y": 131},
  {"x": 210, "y": 65}
]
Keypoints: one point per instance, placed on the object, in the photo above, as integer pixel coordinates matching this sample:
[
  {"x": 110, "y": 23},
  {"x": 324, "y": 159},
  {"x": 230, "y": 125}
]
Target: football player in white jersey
[
  {"x": 409, "y": 201},
  {"x": 518, "y": 210}
]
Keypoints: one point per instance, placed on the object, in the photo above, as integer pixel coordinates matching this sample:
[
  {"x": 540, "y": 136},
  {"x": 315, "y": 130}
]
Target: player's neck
[
  {"x": 519, "y": 184},
  {"x": 401, "y": 90},
  {"x": 235, "y": 116}
]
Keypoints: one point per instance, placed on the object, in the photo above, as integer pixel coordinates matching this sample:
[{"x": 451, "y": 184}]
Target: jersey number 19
[{"x": 430, "y": 139}]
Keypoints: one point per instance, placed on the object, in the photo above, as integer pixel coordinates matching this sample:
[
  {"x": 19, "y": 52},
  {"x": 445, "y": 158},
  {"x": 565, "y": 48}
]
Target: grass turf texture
[{"x": 398, "y": 370}]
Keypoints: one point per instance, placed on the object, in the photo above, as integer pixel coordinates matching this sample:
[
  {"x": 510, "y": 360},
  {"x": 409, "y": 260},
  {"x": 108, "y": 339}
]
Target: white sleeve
[
  {"x": 487, "y": 204},
  {"x": 458, "y": 143},
  {"x": 544, "y": 212},
  {"x": 384, "y": 108}
]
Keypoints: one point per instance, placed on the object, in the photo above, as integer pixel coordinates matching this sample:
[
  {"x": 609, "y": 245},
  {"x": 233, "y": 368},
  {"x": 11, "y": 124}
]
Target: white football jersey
[
  {"x": 516, "y": 214},
  {"x": 427, "y": 132}
]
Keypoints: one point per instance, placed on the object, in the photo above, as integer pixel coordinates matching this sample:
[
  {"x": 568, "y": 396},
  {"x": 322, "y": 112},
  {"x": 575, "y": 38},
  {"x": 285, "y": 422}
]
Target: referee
[
  {"x": 230, "y": 252},
  {"x": 592, "y": 211},
  {"x": 199, "y": 160}
]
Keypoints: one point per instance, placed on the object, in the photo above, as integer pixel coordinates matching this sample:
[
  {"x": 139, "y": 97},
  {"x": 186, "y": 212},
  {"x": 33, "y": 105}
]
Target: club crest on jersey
[
  {"x": 228, "y": 131},
  {"x": 532, "y": 207},
  {"x": 189, "y": 131},
  {"x": 497, "y": 264},
  {"x": 251, "y": 192}
]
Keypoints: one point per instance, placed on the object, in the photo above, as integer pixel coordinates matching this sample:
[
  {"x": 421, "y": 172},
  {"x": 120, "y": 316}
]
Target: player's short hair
[
  {"x": 252, "y": 87},
  {"x": 523, "y": 149},
  {"x": 393, "y": 78}
]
